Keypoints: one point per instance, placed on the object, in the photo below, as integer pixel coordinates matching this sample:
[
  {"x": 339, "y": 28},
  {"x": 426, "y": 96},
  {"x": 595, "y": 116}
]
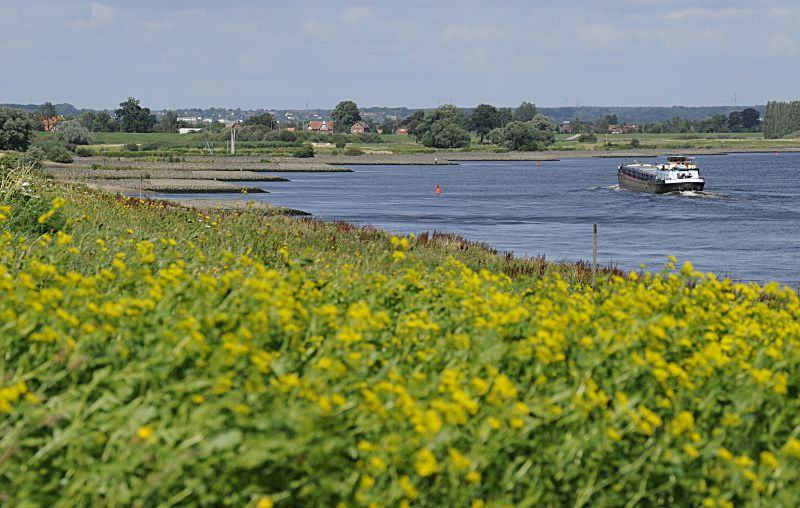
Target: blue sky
[{"x": 399, "y": 53}]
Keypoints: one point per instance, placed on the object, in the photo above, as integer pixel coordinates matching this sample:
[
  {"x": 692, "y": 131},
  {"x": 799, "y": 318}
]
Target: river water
[{"x": 746, "y": 225}]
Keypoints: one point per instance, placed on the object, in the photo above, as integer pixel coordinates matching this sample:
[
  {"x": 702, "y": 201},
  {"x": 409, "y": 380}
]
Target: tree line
[{"x": 781, "y": 119}]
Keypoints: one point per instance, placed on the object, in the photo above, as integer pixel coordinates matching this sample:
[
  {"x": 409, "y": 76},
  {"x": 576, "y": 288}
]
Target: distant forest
[{"x": 627, "y": 114}]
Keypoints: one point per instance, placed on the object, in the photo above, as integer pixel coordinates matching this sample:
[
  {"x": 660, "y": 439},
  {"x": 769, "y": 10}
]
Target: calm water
[{"x": 747, "y": 224}]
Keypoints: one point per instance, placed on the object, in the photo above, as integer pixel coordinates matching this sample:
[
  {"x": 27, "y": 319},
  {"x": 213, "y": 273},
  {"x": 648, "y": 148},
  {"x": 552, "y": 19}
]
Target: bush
[
  {"x": 84, "y": 152},
  {"x": 8, "y": 161},
  {"x": 131, "y": 147},
  {"x": 587, "y": 137},
  {"x": 353, "y": 151},
  {"x": 16, "y": 129},
  {"x": 33, "y": 157},
  {"x": 341, "y": 144},
  {"x": 73, "y": 132},
  {"x": 58, "y": 153},
  {"x": 281, "y": 135},
  {"x": 304, "y": 152},
  {"x": 368, "y": 137},
  {"x": 635, "y": 143}
]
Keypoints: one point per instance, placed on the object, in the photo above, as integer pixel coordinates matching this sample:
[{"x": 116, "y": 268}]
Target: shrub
[
  {"x": 131, "y": 147},
  {"x": 16, "y": 129},
  {"x": 635, "y": 143},
  {"x": 73, "y": 132},
  {"x": 341, "y": 144},
  {"x": 58, "y": 153},
  {"x": 587, "y": 137},
  {"x": 368, "y": 137},
  {"x": 84, "y": 152},
  {"x": 353, "y": 151},
  {"x": 8, "y": 161},
  {"x": 33, "y": 157},
  {"x": 304, "y": 152},
  {"x": 281, "y": 135}
]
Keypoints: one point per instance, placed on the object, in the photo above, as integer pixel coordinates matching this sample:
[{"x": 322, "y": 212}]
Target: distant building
[
  {"x": 566, "y": 127},
  {"x": 615, "y": 129},
  {"x": 629, "y": 128},
  {"x": 189, "y": 119},
  {"x": 401, "y": 130},
  {"x": 187, "y": 130},
  {"x": 359, "y": 128},
  {"x": 290, "y": 129},
  {"x": 321, "y": 126}
]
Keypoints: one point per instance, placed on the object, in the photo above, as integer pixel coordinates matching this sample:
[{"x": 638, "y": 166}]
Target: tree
[
  {"x": 504, "y": 116},
  {"x": 167, "y": 123},
  {"x": 525, "y": 112},
  {"x": 87, "y": 119},
  {"x": 534, "y": 135},
  {"x": 445, "y": 112},
  {"x": 48, "y": 109},
  {"x": 483, "y": 119},
  {"x": 414, "y": 124},
  {"x": 519, "y": 136},
  {"x": 344, "y": 115},
  {"x": 750, "y": 118},
  {"x": 73, "y": 132},
  {"x": 389, "y": 125},
  {"x": 103, "y": 123},
  {"x": 16, "y": 129},
  {"x": 781, "y": 119},
  {"x": 735, "y": 121},
  {"x": 542, "y": 123},
  {"x": 446, "y": 133},
  {"x": 265, "y": 119},
  {"x": 134, "y": 118}
]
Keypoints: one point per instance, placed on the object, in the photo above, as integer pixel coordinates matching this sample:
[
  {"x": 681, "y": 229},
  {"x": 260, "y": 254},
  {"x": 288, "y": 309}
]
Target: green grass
[{"x": 164, "y": 144}]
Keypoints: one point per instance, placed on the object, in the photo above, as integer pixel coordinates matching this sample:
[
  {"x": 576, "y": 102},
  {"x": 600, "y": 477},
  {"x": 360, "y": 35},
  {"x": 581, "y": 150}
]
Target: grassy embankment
[
  {"x": 158, "y": 145},
  {"x": 155, "y": 355}
]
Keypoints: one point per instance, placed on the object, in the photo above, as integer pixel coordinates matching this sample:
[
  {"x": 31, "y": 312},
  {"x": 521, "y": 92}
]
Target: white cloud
[
  {"x": 356, "y": 14},
  {"x": 782, "y": 45},
  {"x": 101, "y": 15},
  {"x": 699, "y": 14}
]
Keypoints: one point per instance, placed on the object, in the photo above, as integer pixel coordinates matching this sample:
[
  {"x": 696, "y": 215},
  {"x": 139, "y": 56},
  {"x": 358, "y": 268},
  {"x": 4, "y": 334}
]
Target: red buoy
[
  {"x": 438, "y": 189},
  {"x": 538, "y": 163}
]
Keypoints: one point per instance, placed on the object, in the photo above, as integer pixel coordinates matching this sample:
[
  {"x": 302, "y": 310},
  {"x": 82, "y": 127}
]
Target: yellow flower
[
  {"x": 265, "y": 502},
  {"x": 460, "y": 462},
  {"x": 613, "y": 434},
  {"x": 769, "y": 459},
  {"x": 474, "y": 477},
  {"x": 145, "y": 433},
  {"x": 425, "y": 463}
]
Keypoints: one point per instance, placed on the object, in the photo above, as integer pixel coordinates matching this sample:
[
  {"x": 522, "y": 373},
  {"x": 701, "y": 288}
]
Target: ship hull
[{"x": 656, "y": 186}]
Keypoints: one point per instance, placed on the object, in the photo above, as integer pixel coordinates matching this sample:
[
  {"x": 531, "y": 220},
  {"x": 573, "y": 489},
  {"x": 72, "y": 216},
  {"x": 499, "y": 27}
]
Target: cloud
[
  {"x": 782, "y": 45},
  {"x": 696, "y": 14},
  {"x": 356, "y": 14},
  {"x": 100, "y": 15}
]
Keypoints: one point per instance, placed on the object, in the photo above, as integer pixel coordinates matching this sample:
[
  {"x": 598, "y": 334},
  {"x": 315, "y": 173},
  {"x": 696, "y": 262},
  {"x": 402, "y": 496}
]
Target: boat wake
[
  {"x": 605, "y": 187},
  {"x": 698, "y": 194}
]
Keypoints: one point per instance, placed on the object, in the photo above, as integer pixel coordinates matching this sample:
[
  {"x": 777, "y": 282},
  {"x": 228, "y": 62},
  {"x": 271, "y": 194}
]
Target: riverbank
[
  {"x": 224, "y": 174},
  {"x": 294, "y": 362}
]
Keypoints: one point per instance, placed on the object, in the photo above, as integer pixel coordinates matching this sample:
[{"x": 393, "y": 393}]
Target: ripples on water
[{"x": 746, "y": 224}]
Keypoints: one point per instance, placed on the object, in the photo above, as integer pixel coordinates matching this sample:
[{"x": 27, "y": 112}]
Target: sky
[{"x": 416, "y": 53}]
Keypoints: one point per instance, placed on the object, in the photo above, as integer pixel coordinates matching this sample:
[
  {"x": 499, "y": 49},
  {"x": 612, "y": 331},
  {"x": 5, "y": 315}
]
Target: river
[{"x": 746, "y": 225}]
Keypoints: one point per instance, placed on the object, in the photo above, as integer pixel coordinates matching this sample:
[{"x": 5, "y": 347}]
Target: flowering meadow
[{"x": 156, "y": 356}]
